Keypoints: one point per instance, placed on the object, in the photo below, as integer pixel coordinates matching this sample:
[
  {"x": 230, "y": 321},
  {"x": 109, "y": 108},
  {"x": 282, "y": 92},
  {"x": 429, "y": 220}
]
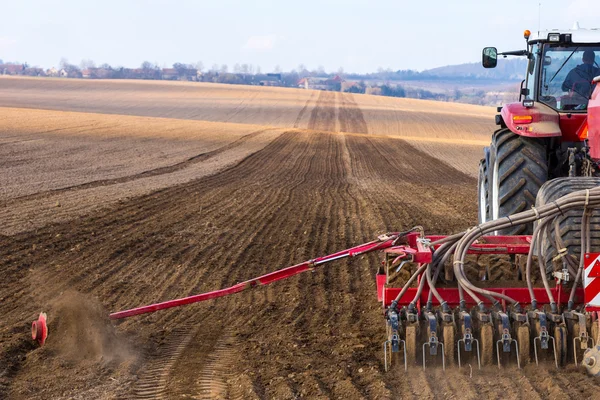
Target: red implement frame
[
  {"x": 415, "y": 249},
  {"x": 261, "y": 280},
  {"x": 485, "y": 245}
]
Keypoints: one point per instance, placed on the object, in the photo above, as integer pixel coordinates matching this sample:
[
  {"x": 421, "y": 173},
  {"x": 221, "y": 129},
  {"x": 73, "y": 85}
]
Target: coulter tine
[
  {"x": 385, "y": 355},
  {"x": 547, "y": 339},
  {"x": 584, "y": 341},
  {"x": 506, "y": 341},
  {"x": 405, "y": 360},
  {"x": 465, "y": 340},
  {"x": 432, "y": 348}
]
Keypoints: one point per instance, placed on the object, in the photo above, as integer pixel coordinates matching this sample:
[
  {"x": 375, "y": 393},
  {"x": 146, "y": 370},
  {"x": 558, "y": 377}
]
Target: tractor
[{"x": 544, "y": 135}]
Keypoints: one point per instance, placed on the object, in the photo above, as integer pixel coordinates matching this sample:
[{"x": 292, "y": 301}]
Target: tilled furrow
[{"x": 152, "y": 384}]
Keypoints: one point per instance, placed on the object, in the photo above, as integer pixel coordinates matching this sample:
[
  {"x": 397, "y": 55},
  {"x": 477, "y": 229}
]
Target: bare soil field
[
  {"x": 57, "y": 165},
  {"x": 276, "y": 107},
  {"x": 326, "y": 183}
]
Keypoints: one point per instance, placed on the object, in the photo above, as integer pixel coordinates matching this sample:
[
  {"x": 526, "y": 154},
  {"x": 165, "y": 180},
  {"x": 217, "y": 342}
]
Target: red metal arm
[{"x": 383, "y": 243}]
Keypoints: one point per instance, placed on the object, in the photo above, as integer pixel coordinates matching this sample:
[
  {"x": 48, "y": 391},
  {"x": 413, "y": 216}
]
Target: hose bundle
[{"x": 458, "y": 245}]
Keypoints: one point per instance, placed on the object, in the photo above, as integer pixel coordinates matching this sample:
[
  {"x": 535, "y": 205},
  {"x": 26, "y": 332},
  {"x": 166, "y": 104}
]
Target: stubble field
[{"x": 116, "y": 194}]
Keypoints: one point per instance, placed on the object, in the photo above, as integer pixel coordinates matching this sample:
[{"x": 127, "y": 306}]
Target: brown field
[{"x": 117, "y": 194}]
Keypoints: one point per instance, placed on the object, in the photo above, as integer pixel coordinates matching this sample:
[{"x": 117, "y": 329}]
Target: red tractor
[
  {"x": 543, "y": 140},
  {"x": 544, "y": 135}
]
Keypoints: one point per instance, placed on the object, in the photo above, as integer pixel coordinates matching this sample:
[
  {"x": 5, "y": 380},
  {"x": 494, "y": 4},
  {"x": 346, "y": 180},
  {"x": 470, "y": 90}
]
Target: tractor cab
[
  {"x": 558, "y": 82},
  {"x": 545, "y": 134},
  {"x": 561, "y": 67}
]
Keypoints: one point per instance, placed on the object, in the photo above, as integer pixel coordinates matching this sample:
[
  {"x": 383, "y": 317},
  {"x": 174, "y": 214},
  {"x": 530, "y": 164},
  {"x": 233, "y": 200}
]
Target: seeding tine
[
  {"x": 507, "y": 339},
  {"x": 433, "y": 341},
  {"x": 405, "y": 361},
  {"x": 584, "y": 340},
  {"x": 385, "y": 356},
  {"x": 476, "y": 341},
  {"x": 547, "y": 337},
  {"x": 437, "y": 343},
  {"x": 554, "y": 348},
  {"x": 458, "y": 353},
  {"x": 498, "y": 352},
  {"x": 388, "y": 343},
  {"x": 476, "y": 346}
]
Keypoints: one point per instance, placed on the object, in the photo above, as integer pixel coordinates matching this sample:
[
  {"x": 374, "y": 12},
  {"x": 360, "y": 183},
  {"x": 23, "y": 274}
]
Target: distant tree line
[{"x": 384, "y": 82}]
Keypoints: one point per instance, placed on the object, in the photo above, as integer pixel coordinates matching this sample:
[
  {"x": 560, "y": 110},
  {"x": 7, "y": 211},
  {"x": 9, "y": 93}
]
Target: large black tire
[
  {"x": 569, "y": 224},
  {"x": 518, "y": 168},
  {"x": 483, "y": 192}
]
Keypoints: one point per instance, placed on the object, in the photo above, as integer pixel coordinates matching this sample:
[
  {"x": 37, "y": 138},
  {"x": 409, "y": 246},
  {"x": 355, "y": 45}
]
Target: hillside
[{"x": 507, "y": 70}]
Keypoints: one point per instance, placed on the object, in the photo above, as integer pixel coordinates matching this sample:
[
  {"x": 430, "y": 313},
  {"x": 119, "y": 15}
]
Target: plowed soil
[{"x": 327, "y": 184}]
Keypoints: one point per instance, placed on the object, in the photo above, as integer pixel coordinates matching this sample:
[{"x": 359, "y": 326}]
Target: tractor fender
[
  {"x": 539, "y": 121},
  {"x": 593, "y": 121}
]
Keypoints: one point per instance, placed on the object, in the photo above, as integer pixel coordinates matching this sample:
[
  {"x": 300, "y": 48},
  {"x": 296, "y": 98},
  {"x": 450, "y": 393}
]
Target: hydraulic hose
[
  {"x": 585, "y": 230},
  {"x": 573, "y": 200},
  {"x": 408, "y": 283}
]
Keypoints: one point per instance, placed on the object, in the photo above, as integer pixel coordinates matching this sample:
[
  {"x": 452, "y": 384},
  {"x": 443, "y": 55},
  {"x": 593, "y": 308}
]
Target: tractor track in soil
[
  {"x": 317, "y": 335},
  {"x": 153, "y": 383}
]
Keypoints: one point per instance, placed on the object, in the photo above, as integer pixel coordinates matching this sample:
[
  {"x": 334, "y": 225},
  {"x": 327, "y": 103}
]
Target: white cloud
[
  {"x": 262, "y": 43},
  {"x": 6, "y": 42}
]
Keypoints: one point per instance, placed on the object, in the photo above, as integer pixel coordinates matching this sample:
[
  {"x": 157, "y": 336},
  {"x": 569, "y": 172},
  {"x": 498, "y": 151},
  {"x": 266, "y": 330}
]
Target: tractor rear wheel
[
  {"x": 519, "y": 167},
  {"x": 483, "y": 192},
  {"x": 567, "y": 228}
]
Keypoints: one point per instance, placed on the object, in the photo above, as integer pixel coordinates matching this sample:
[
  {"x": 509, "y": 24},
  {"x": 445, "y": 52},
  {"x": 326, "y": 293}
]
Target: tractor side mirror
[{"x": 489, "y": 57}]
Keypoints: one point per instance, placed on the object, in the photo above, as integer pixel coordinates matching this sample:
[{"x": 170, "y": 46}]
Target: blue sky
[{"x": 358, "y": 35}]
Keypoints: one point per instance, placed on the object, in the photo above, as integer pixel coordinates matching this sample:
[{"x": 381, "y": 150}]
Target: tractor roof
[{"x": 578, "y": 35}]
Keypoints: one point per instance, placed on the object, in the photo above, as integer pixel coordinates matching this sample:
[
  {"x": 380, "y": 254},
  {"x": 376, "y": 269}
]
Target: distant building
[
  {"x": 34, "y": 72},
  {"x": 63, "y": 73},
  {"x": 52, "y": 72},
  {"x": 182, "y": 74},
  {"x": 271, "y": 80},
  {"x": 331, "y": 84},
  {"x": 12, "y": 69},
  {"x": 96, "y": 73},
  {"x": 169, "y": 74}
]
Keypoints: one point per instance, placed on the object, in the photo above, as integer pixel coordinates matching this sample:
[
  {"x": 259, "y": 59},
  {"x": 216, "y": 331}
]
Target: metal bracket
[
  {"x": 544, "y": 338},
  {"x": 411, "y": 317},
  {"x": 468, "y": 338},
  {"x": 433, "y": 341},
  {"x": 483, "y": 316},
  {"x": 506, "y": 339},
  {"x": 393, "y": 342},
  {"x": 583, "y": 338}
]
